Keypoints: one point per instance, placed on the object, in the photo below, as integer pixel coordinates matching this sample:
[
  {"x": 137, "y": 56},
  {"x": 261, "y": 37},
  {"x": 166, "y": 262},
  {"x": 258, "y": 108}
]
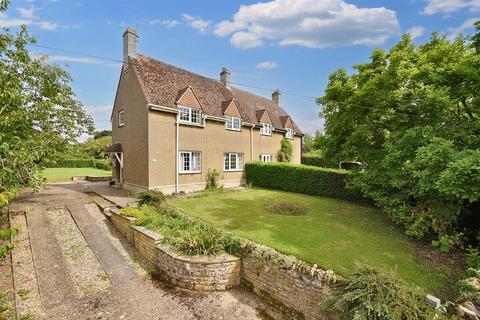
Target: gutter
[{"x": 177, "y": 125}]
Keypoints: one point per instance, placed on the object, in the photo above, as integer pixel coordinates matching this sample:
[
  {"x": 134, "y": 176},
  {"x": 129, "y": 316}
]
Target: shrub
[
  {"x": 302, "y": 179},
  {"x": 473, "y": 258},
  {"x": 288, "y": 208},
  {"x": 314, "y": 159},
  {"x": 212, "y": 179},
  {"x": 104, "y": 164},
  {"x": 285, "y": 152},
  {"x": 371, "y": 294},
  {"x": 150, "y": 197}
]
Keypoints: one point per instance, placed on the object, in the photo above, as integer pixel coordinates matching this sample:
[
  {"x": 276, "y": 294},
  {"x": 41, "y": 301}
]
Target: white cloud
[
  {"x": 27, "y": 13},
  {"x": 466, "y": 25},
  {"x": 309, "y": 23},
  {"x": 197, "y": 23},
  {"x": 267, "y": 65},
  {"x": 416, "y": 31},
  {"x": 92, "y": 109},
  {"x": 166, "y": 23},
  {"x": 84, "y": 60},
  {"x": 27, "y": 17},
  {"x": 449, "y": 6}
]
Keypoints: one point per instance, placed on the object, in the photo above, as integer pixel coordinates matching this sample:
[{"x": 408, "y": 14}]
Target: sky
[{"x": 292, "y": 45}]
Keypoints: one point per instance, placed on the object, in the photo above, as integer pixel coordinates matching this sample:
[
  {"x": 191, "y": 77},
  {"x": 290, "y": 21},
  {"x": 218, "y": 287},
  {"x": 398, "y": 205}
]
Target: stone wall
[
  {"x": 189, "y": 272},
  {"x": 291, "y": 288}
]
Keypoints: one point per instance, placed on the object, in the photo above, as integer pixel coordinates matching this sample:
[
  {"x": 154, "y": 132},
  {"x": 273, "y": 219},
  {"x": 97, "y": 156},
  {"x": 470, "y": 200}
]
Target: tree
[
  {"x": 101, "y": 134},
  {"x": 39, "y": 114},
  {"x": 285, "y": 152},
  {"x": 96, "y": 147},
  {"x": 413, "y": 115}
]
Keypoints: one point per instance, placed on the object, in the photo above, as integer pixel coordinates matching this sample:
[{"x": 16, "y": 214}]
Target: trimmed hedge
[
  {"x": 302, "y": 179},
  {"x": 83, "y": 163},
  {"x": 313, "y": 160}
]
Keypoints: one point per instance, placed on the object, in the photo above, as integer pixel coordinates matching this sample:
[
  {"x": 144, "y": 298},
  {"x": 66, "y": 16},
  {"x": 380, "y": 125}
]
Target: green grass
[
  {"x": 65, "y": 174},
  {"x": 335, "y": 234}
]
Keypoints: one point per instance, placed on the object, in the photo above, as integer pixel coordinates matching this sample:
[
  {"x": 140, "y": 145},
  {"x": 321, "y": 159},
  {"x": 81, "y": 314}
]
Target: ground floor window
[
  {"x": 233, "y": 161},
  {"x": 266, "y": 158},
  {"x": 190, "y": 162}
]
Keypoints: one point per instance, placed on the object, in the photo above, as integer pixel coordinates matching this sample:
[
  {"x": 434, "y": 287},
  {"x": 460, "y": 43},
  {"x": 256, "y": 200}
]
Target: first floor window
[
  {"x": 121, "y": 118},
  {"x": 190, "y": 115},
  {"x": 266, "y": 158},
  {"x": 233, "y": 161},
  {"x": 266, "y": 129},
  {"x": 190, "y": 162},
  {"x": 233, "y": 123},
  {"x": 290, "y": 133}
]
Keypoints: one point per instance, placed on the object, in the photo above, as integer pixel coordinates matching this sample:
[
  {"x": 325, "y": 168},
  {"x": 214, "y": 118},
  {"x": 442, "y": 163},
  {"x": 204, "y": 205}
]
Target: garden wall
[{"x": 188, "y": 272}]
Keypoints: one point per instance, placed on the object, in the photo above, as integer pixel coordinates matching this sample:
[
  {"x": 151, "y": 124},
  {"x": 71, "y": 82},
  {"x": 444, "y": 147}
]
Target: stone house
[{"x": 170, "y": 126}]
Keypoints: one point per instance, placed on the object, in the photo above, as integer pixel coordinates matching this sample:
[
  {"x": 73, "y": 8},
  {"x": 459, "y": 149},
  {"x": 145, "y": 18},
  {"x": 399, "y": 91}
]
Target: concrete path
[{"x": 85, "y": 270}]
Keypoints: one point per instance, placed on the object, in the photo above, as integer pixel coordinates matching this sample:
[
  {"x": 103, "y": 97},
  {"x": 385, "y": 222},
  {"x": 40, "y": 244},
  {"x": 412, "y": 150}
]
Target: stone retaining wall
[{"x": 189, "y": 272}]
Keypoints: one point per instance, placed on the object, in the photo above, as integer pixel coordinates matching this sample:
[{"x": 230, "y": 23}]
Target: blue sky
[{"x": 292, "y": 45}]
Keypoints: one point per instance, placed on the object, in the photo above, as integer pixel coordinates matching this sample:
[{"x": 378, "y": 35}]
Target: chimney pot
[
  {"x": 225, "y": 77},
  {"x": 129, "y": 44},
  {"x": 277, "y": 97}
]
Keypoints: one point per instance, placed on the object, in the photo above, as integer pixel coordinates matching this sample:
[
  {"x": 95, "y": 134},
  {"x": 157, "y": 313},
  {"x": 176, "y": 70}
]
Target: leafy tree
[
  {"x": 39, "y": 114},
  {"x": 102, "y": 133},
  {"x": 413, "y": 115},
  {"x": 96, "y": 147},
  {"x": 285, "y": 152}
]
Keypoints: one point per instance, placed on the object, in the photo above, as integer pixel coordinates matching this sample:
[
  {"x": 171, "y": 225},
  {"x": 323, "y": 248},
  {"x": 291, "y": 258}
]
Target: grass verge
[{"x": 65, "y": 174}]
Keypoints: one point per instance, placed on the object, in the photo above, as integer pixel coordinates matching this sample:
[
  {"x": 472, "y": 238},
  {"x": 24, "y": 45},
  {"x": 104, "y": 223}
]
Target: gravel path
[{"x": 85, "y": 270}]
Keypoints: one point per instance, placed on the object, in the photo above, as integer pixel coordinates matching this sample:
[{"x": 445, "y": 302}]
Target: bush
[
  {"x": 288, "y": 208},
  {"x": 314, "y": 159},
  {"x": 371, "y": 294},
  {"x": 103, "y": 164},
  {"x": 212, "y": 179},
  {"x": 302, "y": 179},
  {"x": 150, "y": 197},
  {"x": 285, "y": 152}
]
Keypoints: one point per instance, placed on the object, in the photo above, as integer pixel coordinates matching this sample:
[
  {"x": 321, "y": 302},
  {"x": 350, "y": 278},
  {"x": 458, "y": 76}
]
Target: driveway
[{"x": 70, "y": 263}]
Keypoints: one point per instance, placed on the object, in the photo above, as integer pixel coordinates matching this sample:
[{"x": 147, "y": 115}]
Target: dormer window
[
  {"x": 290, "y": 133},
  {"x": 190, "y": 115},
  {"x": 233, "y": 123},
  {"x": 266, "y": 129}
]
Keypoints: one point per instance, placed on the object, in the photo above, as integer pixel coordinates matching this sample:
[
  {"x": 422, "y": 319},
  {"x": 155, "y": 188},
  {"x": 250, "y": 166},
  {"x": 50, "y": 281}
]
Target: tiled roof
[{"x": 163, "y": 83}]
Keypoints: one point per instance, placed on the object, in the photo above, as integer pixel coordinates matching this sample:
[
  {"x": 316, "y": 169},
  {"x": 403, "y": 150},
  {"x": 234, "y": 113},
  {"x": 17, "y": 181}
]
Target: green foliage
[
  {"x": 104, "y": 164},
  {"x": 314, "y": 144},
  {"x": 151, "y": 197},
  {"x": 302, "y": 179},
  {"x": 212, "y": 179},
  {"x": 446, "y": 242},
  {"x": 285, "y": 152},
  {"x": 468, "y": 287},
  {"x": 287, "y": 208},
  {"x": 314, "y": 159},
  {"x": 413, "y": 115},
  {"x": 39, "y": 114},
  {"x": 370, "y": 294},
  {"x": 96, "y": 147},
  {"x": 473, "y": 258},
  {"x": 101, "y": 134},
  {"x": 188, "y": 235}
]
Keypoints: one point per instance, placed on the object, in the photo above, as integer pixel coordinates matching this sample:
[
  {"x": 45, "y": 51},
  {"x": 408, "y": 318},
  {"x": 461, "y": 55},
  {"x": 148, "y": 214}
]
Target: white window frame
[
  {"x": 228, "y": 160},
  {"x": 187, "y": 114},
  {"x": 266, "y": 157},
  {"x": 121, "y": 118},
  {"x": 230, "y": 124},
  {"x": 193, "y": 167},
  {"x": 266, "y": 129},
  {"x": 290, "y": 133}
]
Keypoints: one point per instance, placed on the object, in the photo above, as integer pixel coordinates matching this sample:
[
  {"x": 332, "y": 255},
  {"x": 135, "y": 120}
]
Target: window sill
[
  {"x": 237, "y": 130},
  {"x": 190, "y": 172},
  {"x": 192, "y": 124},
  {"x": 121, "y": 125},
  {"x": 266, "y": 134},
  {"x": 236, "y": 170}
]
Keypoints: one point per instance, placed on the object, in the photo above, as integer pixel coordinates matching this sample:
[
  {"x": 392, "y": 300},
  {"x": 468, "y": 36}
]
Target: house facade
[{"x": 170, "y": 126}]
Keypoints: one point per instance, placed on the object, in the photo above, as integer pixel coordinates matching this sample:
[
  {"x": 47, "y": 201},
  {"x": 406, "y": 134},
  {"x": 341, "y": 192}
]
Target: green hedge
[
  {"x": 302, "y": 179},
  {"x": 313, "y": 160},
  {"x": 83, "y": 163}
]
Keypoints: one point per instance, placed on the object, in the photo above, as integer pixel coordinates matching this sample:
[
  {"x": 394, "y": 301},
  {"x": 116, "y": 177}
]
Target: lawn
[
  {"x": 65, "y": 174},
  {"x": 334, "y": 234}
]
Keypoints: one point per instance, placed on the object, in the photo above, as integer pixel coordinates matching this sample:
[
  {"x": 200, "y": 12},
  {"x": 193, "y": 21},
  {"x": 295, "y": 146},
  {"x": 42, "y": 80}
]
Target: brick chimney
[
  {"x": 129, "y": 44},
  {"x": 225, "y": 77},
  {"x": 277, "y": 97}
]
